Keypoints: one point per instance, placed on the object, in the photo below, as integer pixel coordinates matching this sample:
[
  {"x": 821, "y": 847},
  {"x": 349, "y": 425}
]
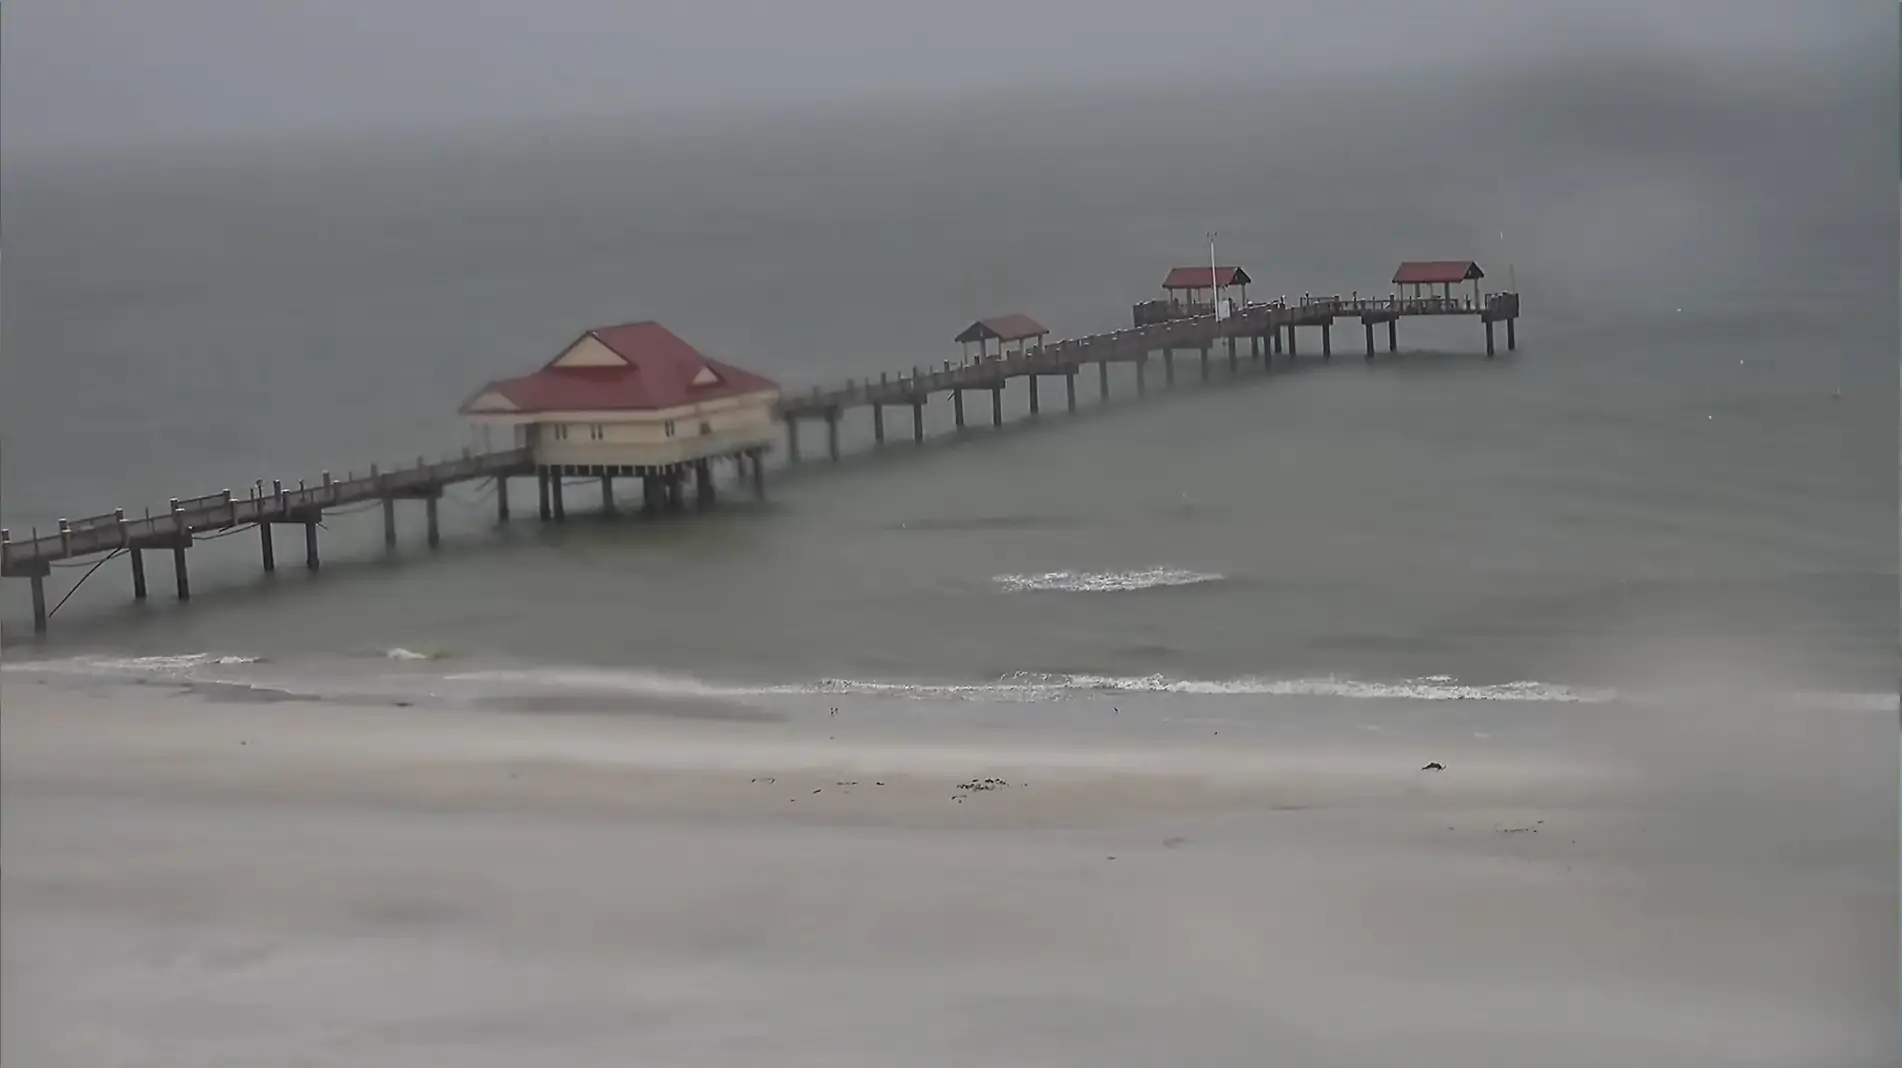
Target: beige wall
[{"x": 642, "y": 438}]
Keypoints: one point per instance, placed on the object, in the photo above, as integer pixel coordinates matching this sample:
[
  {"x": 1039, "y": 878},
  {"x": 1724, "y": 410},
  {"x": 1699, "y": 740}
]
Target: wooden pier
[{"x": 1270, "y": 328}]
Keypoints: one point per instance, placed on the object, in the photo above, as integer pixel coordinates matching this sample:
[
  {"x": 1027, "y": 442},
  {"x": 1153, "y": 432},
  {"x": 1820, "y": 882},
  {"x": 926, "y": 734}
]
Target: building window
[
  {"x": 561, "y": 431},
  {"x": 706, "y": 428},
  {"x": 670, "y": 428},
  {"x": 596, "y": 432}
]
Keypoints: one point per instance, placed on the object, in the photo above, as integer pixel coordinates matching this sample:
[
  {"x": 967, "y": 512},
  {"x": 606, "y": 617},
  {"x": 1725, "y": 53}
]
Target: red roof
[
  {"x": 1198, "y": 277},
  {"x": 1013, "y": 327},
  {"x": 657, "y": 370},
  {"x": 1435, "y": 272}
]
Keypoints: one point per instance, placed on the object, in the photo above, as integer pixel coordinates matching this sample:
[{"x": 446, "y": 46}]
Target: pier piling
[
  {"x": 1489, "y": 339},
  {"x": 1327, "y": 341},
  {"x": 389, "y": 524},
  {"x": 792, "y": 441},
  {"x": 1205, "y": 363},
  {"x": 1069, "y": 388},
  {"x": 434, "y": 534},
  {"x": 1369, "y": 327},
  {"x": 310, "y": 544},
  {"x": 138, "y": 571},
  {"x": 1512, "y": 335},
  {"x": 1102, "y": 379},
  {"x": 997, "y": 404},
  {"x": 703, "y": 491},
  {"x": 1142, "y": 385},
  {"x": 832, "y": 434},
  {"x": 501, "y": 499},
  {"x": 39, "y": 603},
  {"x": 180, "y": 573},
  {"x": 1033, "y": 392},
  {"x": 607, "y": 494},
  {"x": 878, "y": 424},
  {"x": 1393, "y": 334},
  {"x": 675, "y": 494},
  {"x": 555, "y": 485},
  {"x": 541, "y": 489},
  {"x": 957, "y": 407},
  {"x": 918, "y": 420},
  {"x": 1168, "y": 367},
  {"x": 759, "y": 475}
]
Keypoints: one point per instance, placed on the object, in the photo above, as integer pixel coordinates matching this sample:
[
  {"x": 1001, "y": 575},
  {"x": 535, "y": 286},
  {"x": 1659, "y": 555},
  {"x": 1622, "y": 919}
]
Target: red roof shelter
[
  {"x": 1443, "y": 273},
  {"x": 631, "y": 367},
  {"x": 1002, "y": 329},
  {"x": 1195, "y": 279}
]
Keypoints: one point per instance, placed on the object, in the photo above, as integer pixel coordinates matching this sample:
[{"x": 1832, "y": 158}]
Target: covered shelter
[
  {"x": 1184, "y": 283},
  {"x": 1419, "y": 274},
  {"x": 1015, "y": 328}
]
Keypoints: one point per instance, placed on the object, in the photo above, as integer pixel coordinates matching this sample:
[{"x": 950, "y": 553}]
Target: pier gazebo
[
  {"x": 633, "y": 400},
  {"x": 1003, "y": 329},
  {"x": 1181, "y": 287},
  {"x": 1417, "y": 274}
]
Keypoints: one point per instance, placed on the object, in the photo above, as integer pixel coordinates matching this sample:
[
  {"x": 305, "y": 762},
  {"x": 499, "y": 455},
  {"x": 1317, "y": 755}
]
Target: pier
[{"x": 639, "y": 438}]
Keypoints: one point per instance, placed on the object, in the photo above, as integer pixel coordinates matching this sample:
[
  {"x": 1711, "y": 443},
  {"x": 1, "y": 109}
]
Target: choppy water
[{"x": 1683, "y": 477}]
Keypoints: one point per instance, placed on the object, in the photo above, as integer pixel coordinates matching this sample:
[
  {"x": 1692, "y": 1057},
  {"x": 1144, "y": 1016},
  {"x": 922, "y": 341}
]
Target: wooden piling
[
  {"x": 138, "y": 569},
  {"x": 1393, "y": 335},
  {"x": 1489, "y": 339},
  {"x": 918, "y": 421},
  {"x": 1233, "y": 358},
  {"x": 703, "y": 491},
  {"x": 180, "y": 573},
  {"x": 266, "y": 548},
  {"x": 1205, "y": 363},
  {"x": 1327, "y": 341},
  {"x": 501, "y": 499},
  {"x": 389, "y": 521},
  {"x": 607, "y": 494},
  {"x": 555, "y": 482},
  {"x": 878, "y": 424},
  {"x": 832, "y": 434},
  {"x": 957, "y": 407},
  {"x": 676, "y": 499},
  {"x": 433, "y": 534},
  {"x": 1168, "y": 367},
  {"x": 39, "y": 602},
  {"x": 759, "y": 475},
  {"x": 792, "y": 440},
  {"x": 1142, "y": 384},
  {"x": 541, "y": 489},
  {"x": 1069, "y": 388},
  {"x": 1369, "y": 327},
  {"x": 1102, "y": 379},
  {"x": 1512, "y": 335},
  {"x": 310, "y": 544},
  {"x": 997, "y": 404}
]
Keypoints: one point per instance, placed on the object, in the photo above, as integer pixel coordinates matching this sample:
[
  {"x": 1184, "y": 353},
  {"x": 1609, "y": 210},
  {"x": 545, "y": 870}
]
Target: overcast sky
[{"x": 98, "y": 72}]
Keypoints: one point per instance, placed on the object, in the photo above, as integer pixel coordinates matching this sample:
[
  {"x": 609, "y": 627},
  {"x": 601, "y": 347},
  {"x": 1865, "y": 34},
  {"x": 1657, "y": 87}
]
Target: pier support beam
[
  {"x": 651, "y": 494},
  {"x": 997, "y": 404},
  {"x": 1069, "y": 388},
  {"x": 918, "y": 421},
  {"x": 1393, "y": 334},
  {"x": 703, "y": 492},
  {"x": 501, "y": 499},
  {"x": 541, "y": 488},
  {"x": 832, "y": 434},
  {"x": 1512, "y": 335},
  {"x": 310, "y": 544},
  {"x": 676, "y": 497},
  {"x": 1142, "y": 386},
  {"x": 1168, "y": 367},
  {"x": 434, "y": 534},
  {"x": 878, "y": 424},
  {"x": 1254, "y": 346},
  {"x": 39, "y": 603},
  {"x": 389, "y": 524},
  {"x": 1369, "y": 327},
  {"x": 607, "y": 495},
  {"x": 554, "y": 491},
  {"x": 1489, "y": 339},
  {"x": 1102, "y": 379},
  {"x": 957, "y": 406},
  {"x": 181, "y": 573},
  {"x": 1327, "y": 341},
  {"x": 268, "y": 550},
  {"x": 1032, "y": 377},
  {"x": 1233, "y": 358},
  {"x": 1293, "y": 347},
  {"x": 792, "y": 440},
  {"x": 759, "y": 475},
  {"x": 1275, "y": 339},
  {"x": 138, "y": 566}
]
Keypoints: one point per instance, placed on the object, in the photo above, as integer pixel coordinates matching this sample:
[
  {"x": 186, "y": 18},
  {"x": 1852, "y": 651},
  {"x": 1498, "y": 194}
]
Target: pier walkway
[{"x": 1270, "y": 327}]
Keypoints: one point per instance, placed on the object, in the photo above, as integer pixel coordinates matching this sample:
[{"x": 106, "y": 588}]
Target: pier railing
[{"x": 256, "y": 504}]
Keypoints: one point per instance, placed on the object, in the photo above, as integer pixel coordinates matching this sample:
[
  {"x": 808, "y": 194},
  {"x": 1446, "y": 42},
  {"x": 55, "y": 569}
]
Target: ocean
[{"x": 1680, "y": 480}]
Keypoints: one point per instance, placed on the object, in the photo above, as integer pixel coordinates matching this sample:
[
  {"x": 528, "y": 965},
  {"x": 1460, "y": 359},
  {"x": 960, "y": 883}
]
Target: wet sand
[{"x": 199, "y": 883}]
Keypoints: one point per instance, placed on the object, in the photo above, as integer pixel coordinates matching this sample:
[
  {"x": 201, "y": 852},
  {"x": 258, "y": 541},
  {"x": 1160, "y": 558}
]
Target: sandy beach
[{"x": 189, "y": 882}]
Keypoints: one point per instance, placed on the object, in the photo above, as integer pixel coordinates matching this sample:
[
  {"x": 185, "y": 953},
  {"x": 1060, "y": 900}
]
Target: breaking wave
[
  {"x": 174, "y": 664},
  {"x": 1104, "y": 581}
]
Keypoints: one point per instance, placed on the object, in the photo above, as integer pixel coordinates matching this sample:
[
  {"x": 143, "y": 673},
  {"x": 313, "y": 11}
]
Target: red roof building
[
  {"x": 1002, "y": 329},
  {"x": 1443, "y": 273},
  {"x": 633, "y": 395},
  {"x": 1205, "y": 278}
]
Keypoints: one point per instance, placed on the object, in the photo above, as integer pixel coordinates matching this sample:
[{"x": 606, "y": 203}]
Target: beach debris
[
  {"x": 820, "y": 788},
  {"x": 845, "y": 784},
  {"x": 1518, "y": 830},
  {"x": 878, "y": 784},
  {"x": 835, "y": 710},
  {"x": 983, "y": 784},
  {"x": 764, "y": 778},
  {"x": 1434, "y": 766}
]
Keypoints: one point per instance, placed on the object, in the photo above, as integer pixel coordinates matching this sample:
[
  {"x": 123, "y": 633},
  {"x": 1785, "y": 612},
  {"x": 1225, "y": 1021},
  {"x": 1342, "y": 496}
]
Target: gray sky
[{"x": 98, "y": 72}]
